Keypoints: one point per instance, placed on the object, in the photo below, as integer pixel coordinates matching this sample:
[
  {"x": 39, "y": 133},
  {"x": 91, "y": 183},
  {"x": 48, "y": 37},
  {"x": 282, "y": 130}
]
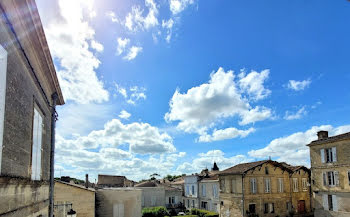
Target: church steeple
[{"x": 215, "y": 167}]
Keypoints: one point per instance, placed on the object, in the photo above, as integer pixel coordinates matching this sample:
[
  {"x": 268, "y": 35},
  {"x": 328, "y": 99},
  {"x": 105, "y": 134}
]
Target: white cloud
[
  {"x": 97, "y": 46},
  {"x": 168, "y": 25},
  {"x": 122, "y": 91},
  {"x": 132, "y": 53},
  {"x": 124, "y": 115},
  {"x": 228, "y": 133},
  {"x": 135, "y": 20},
  {"x": 133, "y": 94},
  {"x": 298, "y": 85},
  {"x": 292, "y": 149},
  {"x": 206, "y": 160},
  {"x": 201, "y": 107},
  {"x": 122, "y": 43},
  {"x": 69, "y": 34},
  {"x": 177, "y": 6},
  {"x": 112, "y": 16},
  {"x": 297, "y": 115},
  {"x": 253, "y": 84}
]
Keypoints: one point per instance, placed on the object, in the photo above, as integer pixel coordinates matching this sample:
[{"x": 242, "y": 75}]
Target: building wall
[
  {"x": 152, "y": 196},
  {"x": 231, "y": 197},
  {"x": 128, "y": 198},
  {"x": 342, "y": 166},
  {"x": 111, "y": 181},
  {"x": 17, "y": 190},
  {"x": 303, "y": 194},
  {"x": 83, "y": 201},
  {"x": 212, "y": 200},
  {"x": 190, "y": 197},
  {"x": 173, "y": 193}
]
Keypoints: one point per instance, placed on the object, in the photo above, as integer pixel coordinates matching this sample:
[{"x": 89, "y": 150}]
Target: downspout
[
  {"x": 243, "y": 195},
  {"x": 52, "y": 154}
]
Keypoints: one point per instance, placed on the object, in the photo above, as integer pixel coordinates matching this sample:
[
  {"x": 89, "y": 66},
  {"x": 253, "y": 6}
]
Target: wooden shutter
[
  {"x": 322, "y": 156},
  {"x": 336, "y": 178},
  {"x": 335, "y": 203},
  {"x": 334, "y": 153},
  {"x": 325, "y": 201}
]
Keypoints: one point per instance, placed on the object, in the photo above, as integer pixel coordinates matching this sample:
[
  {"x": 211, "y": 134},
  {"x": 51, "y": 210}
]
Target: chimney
[
  {"x": 87, "y": 180},
  {"x": 322, "y": 134}
]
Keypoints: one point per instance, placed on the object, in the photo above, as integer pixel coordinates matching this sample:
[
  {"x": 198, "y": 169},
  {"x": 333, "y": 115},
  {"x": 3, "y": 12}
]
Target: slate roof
[
  {"x": 331, "y": 139},
  {"x": 245, "y": 167}
]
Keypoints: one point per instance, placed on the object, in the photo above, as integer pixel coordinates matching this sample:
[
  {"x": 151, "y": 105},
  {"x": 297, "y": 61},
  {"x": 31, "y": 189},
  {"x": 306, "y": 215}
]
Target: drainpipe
[
  {"x": 243, "y": 195},
  {"x": 52, "y": 155}
]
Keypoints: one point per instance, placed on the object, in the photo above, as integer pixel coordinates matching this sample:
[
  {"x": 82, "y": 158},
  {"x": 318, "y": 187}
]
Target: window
[
  {"x": 280, "y": 185},
  {"x": 233, "y": 187},
  {"x": 331, "y": 178},
  {"x": 187, "y": 192},
  {"x": 192, "y": 203},
  {"x": 329, "y": 155},
  {"x": 188, "y": 203},
  {"x": 36, "y": 146},
  {"x": 266, "y": 171},
  {"x": 192, "y": 189},
  {"x": 3, "y": 66},
  {"x": 222, "y": 185},
  {"x": 172, "y": 200},
  {"x": 253, "y": 188},
  {"x": 204, "y": 190},
  {"x": 330, "y": 202},
  {"x": 304, "y": 184},
  {"x": 215, "y": 191},
  {"x": 267, "y": 185},
  {"x": 252, "y": 208},
  {"x": 204, "y": 205},
  {"x": 169, "y": 200},
  {"x": 349, "y": 177},
  {"x": 295, "y": 185},
  {"x": 269, "y": 208}
]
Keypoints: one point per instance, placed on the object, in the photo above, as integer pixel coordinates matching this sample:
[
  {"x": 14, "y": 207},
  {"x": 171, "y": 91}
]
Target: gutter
[
  {"x": 52, "y": 154},
  {"x": 243, "y": 195}
]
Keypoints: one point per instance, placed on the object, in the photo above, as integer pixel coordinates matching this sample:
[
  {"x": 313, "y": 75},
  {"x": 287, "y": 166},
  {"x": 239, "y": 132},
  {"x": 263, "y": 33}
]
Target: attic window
[{"x": 266, "y": 171}]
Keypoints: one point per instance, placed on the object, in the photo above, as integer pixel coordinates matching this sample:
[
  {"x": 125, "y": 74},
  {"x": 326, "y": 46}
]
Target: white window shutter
[
  {"x": 336, "y": 178},
  {"x": 322, "y": 156},
  {"x": 39, "y": 139},
  {"x": 334, "y": 153},
  {"x": 325, "y": 201},
  {"x": 335, "y": 203},
  {"x": 35, "y": 145}
]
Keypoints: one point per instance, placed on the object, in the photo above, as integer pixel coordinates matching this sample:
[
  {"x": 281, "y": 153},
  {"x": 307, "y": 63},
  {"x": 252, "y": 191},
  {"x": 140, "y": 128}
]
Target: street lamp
[{"x": 71, "y": 213}]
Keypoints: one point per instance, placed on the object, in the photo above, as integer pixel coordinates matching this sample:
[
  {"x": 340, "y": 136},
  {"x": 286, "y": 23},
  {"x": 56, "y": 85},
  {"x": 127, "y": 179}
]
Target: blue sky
[{"x": 170, "y": 86}]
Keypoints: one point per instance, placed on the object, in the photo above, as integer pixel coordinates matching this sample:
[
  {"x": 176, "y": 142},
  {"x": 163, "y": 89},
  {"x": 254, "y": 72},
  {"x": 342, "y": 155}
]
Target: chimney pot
[
  {"x": 322, "y": 134},
  {"x": 87, "y": 180}
]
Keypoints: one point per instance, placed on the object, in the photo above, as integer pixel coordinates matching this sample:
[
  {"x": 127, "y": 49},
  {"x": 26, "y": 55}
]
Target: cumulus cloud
[
  {"x": 253, "y": 84},
  {"x": 132, "y": 53},
  {"x": 206, "y": 160},
  {"x": 135, "y": 20},
  {"x": 297, "y": 115},
  {"x": 201, "y": 107},
  {"x": 292, "y": 149},
  {"x": 122, "y": 44},
  {"x": 133, "y": 94},
  {"x": 177, "y": 6},
  {"x": 228, "y": 133},
  {"x": 298, "y": 85},
  {"x": 112, "y": 16},
  {"x": 124, "y": 115},
  {"x": 70, "y": 37},
  {"x": 168, "y": 25}
]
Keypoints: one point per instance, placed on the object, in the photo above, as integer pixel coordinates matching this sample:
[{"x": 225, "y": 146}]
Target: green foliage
[
  {"x": 204, "y": 213},
  {"x": 159, "y": 211},
  {"x": 173, "y": 177}
]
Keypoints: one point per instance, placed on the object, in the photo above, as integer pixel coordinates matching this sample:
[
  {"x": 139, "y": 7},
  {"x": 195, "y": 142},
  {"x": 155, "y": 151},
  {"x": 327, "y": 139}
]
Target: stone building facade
[
  {"x": 113, "y": 181},
  {"x": 29, "y": 89},
  {"x": 191, "y": 196},
  {"x": 72, "y": 196},
  {"x": 265, "y": 188},
  {"x": 330, "y": 169},
  {"x": 209, "y": 193},
  {"x": 118, "y": 202}
]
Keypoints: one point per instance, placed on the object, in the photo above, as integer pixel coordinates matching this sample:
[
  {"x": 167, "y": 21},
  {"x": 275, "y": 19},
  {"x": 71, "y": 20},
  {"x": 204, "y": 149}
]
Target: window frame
[
  {"x": 304, "y": 184},
  {"x": 267, "y": 185},
  {"x": 37, "y": 143},
  {"x": 280, "y": 185},
  {"x": 253, "y": 186},
  {"x": 295, "y": 185}
]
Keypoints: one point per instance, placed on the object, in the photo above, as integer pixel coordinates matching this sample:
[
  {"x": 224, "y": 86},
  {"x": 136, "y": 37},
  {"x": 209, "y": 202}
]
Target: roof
[
  {"x": 240, "y": 169},
  {"x": 75, "y": 185},
  {"x": 150, "y": 184},
  {"x": 214, "y": 177},
  {"x": 23, "y": 17},
  {"x": 147, "y": 184},
  {"x": 331, "y": 139}
]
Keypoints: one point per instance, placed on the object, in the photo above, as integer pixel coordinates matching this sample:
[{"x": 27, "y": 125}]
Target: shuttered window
[
  {"x": 280, "y": 185},
  {"x": 304, "y": 184},
  {"x": 267, "y": 185},
  {"x": 204, "y": 190},
  {"x": 3, "y": 69},
  {"x": 37, "y": 144},
  {"x": 253, "y": 188},
  {"x": 295, "y": 185},
  {"x": 331, "y": 178}
]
